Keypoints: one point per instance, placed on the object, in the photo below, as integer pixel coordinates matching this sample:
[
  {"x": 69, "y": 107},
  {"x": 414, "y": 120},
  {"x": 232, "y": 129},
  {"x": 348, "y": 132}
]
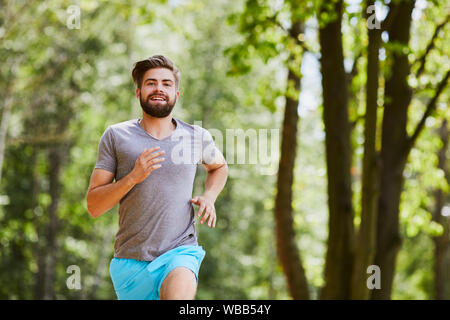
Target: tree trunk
[
  {"x": 394, "y": 151},
  {"x": 365, "y": 246},
  {"x": 39, "y": 247},
  {"x": 287, "y": 250},
  {"x": 6, "y": 112},
  {"x": 442, "y": 242},
  {"x": 55, "y": 161},
  {"x": 339, "y": 258},
  {"x": 4, "y": 129},
  {"x": 104, "y": 258}
]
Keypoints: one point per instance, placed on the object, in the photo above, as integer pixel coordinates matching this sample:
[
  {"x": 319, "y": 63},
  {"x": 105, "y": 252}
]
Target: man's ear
[{"x": 137, "y": 92}]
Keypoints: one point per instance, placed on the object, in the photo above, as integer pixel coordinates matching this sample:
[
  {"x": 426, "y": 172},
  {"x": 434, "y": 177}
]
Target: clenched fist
[{"x": 145, "y": 164}]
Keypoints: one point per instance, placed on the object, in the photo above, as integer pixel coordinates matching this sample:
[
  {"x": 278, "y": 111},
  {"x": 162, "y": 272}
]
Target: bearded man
[{"x": 153, "y": 161}]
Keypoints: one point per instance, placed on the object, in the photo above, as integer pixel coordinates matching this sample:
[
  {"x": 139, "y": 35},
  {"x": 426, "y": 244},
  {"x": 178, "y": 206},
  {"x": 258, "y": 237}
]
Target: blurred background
[{"x": 358, "y": 90}]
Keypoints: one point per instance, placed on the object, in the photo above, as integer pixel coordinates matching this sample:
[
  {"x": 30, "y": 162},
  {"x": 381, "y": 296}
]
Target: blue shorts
[{"x": 141, "y": 280}]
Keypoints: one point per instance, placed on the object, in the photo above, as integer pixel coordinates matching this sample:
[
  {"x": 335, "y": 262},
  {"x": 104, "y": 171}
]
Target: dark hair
[{"x": 156, "y": 61}]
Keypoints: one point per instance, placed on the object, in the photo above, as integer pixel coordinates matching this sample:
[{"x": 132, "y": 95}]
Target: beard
[{"x": 157, "y": 109}]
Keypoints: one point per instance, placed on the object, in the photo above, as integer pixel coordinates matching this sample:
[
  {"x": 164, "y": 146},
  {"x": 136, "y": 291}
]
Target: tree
[
  {"x": 377, "y": 240},
  {"x": 259, "y": 22},
  {"x": 366, "y": 238},
  {"x": 396, "y": 143},
  {"x": 340, "y": 249},
  {"x": 441, "y": 242}
]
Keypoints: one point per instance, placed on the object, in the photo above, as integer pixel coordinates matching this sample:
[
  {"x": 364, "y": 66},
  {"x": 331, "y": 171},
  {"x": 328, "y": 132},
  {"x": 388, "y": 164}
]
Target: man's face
[{"x": 158, "y": 93}]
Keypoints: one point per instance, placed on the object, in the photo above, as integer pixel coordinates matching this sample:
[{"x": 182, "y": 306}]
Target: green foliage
[{"x": 68, "y": 85}]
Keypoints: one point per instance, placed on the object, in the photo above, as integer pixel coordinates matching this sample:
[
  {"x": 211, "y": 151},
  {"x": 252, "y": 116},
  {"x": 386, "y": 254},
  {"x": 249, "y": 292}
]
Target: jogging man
[{"x": 153, "y": 161}]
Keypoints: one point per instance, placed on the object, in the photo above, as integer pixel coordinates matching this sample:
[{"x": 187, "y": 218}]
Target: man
[{"x": 154, "y": 161}]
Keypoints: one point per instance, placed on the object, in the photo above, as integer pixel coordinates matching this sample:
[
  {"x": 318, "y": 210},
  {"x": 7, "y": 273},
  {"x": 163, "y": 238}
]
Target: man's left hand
[{"x": 207, "y": 205}]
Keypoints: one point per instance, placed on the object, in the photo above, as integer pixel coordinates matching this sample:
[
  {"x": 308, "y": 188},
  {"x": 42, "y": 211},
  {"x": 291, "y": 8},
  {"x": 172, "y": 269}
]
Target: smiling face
[{"x": 158, "y": 93}]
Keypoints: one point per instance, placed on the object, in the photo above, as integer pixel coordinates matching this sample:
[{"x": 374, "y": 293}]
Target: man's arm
[
  {"x": 103, "y": 195},
  {"x": 216, "y": 177}
]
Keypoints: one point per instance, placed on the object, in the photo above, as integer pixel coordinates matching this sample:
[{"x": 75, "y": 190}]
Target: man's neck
[{"x": 159, "y": 128}]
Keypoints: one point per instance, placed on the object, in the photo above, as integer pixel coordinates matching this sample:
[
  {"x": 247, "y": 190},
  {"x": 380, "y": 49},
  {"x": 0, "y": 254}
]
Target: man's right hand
[
  {"x": 103, "y": 195},
  {"x": 146, "y": 162}
]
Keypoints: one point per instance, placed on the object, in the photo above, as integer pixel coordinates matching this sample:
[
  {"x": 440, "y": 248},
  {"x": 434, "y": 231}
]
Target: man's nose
[{"x": 160, "y": 87}]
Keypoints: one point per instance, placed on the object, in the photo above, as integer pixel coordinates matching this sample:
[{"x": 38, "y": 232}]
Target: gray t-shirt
[{"x": 155, "y": 215}]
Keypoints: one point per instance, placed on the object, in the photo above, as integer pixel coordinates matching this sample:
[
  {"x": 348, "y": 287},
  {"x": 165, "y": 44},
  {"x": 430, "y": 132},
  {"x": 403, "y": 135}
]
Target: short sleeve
[
  {"x": 209, "y": 149},
  {"x": 106, "y": 157}
]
